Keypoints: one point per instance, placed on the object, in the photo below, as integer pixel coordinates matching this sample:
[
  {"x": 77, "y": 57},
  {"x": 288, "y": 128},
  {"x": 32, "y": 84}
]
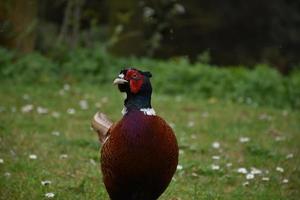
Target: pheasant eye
[{"x": 134, "y": 76}]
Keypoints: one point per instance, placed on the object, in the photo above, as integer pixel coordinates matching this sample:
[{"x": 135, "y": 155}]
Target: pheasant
[{"x": 139, "y": 153}]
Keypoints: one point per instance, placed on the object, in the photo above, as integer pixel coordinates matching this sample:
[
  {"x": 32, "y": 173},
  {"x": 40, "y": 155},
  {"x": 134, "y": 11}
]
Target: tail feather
[{"x": 101, "y": 124}]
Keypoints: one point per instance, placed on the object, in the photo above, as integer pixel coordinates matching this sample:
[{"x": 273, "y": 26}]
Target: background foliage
[
  {"x": 261, "y": 85},
  {"x": 225, "y": 75},
  {"x": 231, "y": 32}
]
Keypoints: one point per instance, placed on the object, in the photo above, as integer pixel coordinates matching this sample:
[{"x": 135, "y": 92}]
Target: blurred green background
[
  {"x": 236, "y": 50},
  {"x": 226, "y": 77}
]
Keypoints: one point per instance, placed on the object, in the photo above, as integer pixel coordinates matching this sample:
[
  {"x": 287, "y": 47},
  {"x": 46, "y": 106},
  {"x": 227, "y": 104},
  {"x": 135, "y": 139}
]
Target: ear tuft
[{"x": 148, "y": 74}]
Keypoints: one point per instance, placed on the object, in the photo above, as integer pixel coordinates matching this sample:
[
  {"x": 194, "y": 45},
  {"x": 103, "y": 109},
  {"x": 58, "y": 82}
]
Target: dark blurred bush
[{"x": 259, "y": 86}]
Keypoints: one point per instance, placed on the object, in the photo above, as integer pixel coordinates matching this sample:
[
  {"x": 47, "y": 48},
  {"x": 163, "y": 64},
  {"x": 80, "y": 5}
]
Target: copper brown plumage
[{"x": 140, "y": 154}]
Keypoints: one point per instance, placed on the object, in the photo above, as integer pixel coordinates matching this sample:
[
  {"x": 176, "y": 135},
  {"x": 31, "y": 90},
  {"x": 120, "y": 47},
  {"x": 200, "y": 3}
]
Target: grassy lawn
[{"x": 212, "y": 135}]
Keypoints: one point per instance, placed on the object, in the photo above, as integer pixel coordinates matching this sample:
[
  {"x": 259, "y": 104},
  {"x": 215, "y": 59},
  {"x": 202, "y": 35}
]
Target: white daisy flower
[
  {"x": 216, "y": 145},
  {"x": 279, "y": 138},
  {"x": 46, "y": 182},
  {"x": 244, "y": 139},
  {"x": 55, "y": 133},
  {"x": 249, "y": 176},
  {"x": 280, "y": 169},
  {"x": 83, "y": 104},
  {"x": 7, "y": 174},
  {"x": 93, "y": 162},
  {"x": 63, "y": 156},
  {"x": 27, "y": 108},
  {"x": 242, "y": 170},
  {"x": 246, "y": 183},
  {"x": 179, "y": 167},
  {"x": 285, "y": 180},
  {"x": 194, "y": 174},
  {"x": 215, "y": 167},
  {"x": 55, "y": 114},
  {"x": 191, "y": 124},
  {"x": 33, "y": 156},
  {"x": 41, "y": 110},
  {"x": 228, "y": 164},
  {"x": 181, "y": 152},
  {"x": 67, "y": 87},
  {"x": 216, "y": 157},
  {"x": 71, "y": 111},
  {"x": 255, "y": 171},
  {"x": 49, "y": 195},
  {"x": 265, "y": 178},
  {"x": 289, "y": 156}
]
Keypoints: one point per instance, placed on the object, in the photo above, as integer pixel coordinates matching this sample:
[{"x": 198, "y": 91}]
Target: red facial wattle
[{"x": 135, "y": 80}]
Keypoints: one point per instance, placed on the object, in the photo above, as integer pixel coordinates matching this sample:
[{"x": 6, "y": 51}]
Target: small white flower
[
  {"x": 228, "y": 164},
  {"x": 244, "y": 139},
  {"x": 191, "y": 124},
  {"x": 67, "y": 87},
  {"x": 194, "y": 174},
  {"x": 193, "y": 136},
  {"x": 246, "y": 183},
  {"x": 179, "y": 167},
  {"x": 93, "y": 162},
  {"x": 71, "y": 111},
  {"x": 61, "y": 92},
  {"x": 27, "y": 108},
  {"x": 265, "y": 117},
  {"x": 41, "y": 110},
  {"x": 216, "y": 145},
  {"x": 249, "y": 176},
  {"x": 280, "y": 169},
  {"x": 289, "y": 156},
  {"x": 83, "y": 104},
  {"x": 216, "y": 157},
  {"x": 46, "y": 182},
  {"x": 285, "y": 180},
  {"x": 255, "y": 171},
  {"x": 49, "y": 195},
  {"x": 279, "y": 138},
  {"x": 1, "y": 161},
  {"x": 63, "y": 156},
  {"x": 265, "y": 178},
  {"x": 242, "y": 170},
  {"x": 215, "y": 167},
  {"x": 7, "y": 174},
  {"x": 33, "y": 156},
  {"x": 55, "y": 114},
  {"x": 55, "y": 133}
]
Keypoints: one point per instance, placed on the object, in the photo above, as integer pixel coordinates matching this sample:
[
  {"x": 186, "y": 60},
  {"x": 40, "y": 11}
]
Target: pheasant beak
[{"x": 120, "y": 80}]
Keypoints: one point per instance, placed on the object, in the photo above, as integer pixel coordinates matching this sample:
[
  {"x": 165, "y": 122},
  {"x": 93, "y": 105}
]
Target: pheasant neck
[{"x": 137, "y": 102}]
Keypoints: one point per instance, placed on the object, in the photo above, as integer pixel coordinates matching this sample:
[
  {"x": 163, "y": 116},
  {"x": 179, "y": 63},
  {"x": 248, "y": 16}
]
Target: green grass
[{"x": 197, "y": 123}]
